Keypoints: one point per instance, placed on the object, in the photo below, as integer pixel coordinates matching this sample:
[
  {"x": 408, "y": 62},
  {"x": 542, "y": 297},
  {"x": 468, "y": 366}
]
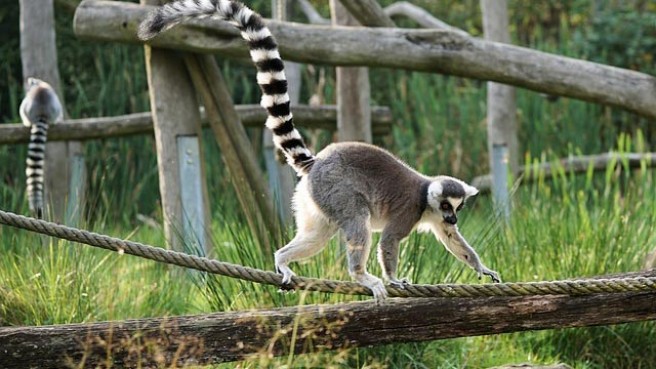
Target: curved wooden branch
[
  {"x": 311, "y": 13},
  {"x": 368, "y": 12},
  {"x": 419, "y": 15}
]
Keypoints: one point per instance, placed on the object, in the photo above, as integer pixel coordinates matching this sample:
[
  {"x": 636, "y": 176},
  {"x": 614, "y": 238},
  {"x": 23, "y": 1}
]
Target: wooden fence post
[
  {"x": 353, "y": 91},
  {"x": 177, "y": 126},
  {"x": 64, "y": 160},
  {"x": 501, "y": 111}
]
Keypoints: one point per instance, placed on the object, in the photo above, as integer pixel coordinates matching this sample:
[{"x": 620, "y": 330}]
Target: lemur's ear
[
  {"x": 435, "y": 189},
  {"x": 470, "y": 191}
]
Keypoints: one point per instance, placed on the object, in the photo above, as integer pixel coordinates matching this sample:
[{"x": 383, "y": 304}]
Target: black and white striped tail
[
  {"x": 34, "y": 169},
  {"x": 265, "y": 55}
]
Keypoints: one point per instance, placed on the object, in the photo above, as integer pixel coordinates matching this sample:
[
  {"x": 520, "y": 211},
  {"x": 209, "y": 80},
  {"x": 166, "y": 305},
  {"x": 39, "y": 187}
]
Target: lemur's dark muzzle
[{"x": 451, "y": 219}]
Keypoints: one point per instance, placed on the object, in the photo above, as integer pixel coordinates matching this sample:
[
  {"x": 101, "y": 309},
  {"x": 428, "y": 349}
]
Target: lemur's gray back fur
[
  {"x": 264, "y": 53},
  {"x": 39, "y": 109},
  {"x": 353, "y": 176}
]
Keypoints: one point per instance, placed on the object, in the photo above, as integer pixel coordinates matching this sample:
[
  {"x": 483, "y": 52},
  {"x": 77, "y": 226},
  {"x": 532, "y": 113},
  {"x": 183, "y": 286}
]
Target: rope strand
[{"x": 565, "y": 287}]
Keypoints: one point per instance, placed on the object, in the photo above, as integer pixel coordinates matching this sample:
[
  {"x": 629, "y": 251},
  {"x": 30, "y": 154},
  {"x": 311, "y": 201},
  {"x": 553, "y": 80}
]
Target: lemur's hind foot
[
  {"x": 375, "y": 284},
  {"x": 287, "y": 275},
  {"x": 399, "y": 283}
]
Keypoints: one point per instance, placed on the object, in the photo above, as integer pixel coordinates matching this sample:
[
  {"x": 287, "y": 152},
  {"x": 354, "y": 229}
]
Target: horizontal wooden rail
[
  {"x": 322, "y": 117},
  {"x": 221, "y": 337},
  {"x": 577, "y": 164},
  {"x": 439, "y": 51}
]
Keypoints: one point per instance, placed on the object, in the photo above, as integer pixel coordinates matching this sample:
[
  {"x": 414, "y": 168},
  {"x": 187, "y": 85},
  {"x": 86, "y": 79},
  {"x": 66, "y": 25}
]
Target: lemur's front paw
[
  {"x": 494, "y": 275},
  {"x": 287, "y": 274},
  {"x": 399, "y": 283}
]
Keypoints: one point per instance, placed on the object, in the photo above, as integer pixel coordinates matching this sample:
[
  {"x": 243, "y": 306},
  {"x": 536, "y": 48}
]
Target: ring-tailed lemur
[
  {"x": 353, "y": 186},
  {"x": 39, "y": 109}
]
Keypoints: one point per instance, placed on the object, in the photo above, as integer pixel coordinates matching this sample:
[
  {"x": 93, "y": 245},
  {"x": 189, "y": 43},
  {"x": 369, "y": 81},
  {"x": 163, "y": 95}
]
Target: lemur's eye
[
  {"x": 460, "y": 206},
  {"x": 445, "y": 205}
]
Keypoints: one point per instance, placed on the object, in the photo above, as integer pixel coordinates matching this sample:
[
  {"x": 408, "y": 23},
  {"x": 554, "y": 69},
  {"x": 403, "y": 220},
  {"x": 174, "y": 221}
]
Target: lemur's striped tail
[
  {"x": 265, "y": 55},
  {"x": 34, "y": 169},
  {"x": 39, "y": 109}
]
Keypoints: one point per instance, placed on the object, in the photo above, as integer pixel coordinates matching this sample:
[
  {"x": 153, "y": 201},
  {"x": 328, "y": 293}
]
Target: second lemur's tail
[
  {"x": 34, "y": 168},
  {"x": 265, "y": 56},
  {"x": 39, "y": 109}
]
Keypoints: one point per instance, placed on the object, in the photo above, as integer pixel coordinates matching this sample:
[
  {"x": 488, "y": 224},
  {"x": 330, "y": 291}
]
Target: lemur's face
[
  {"x": 449, "y": 207},
  {"x": 448, "y": 195}
]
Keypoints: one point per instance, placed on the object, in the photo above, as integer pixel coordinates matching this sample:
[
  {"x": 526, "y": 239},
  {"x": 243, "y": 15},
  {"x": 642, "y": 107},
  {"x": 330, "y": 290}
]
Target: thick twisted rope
[{"x": 566, "y": 287}]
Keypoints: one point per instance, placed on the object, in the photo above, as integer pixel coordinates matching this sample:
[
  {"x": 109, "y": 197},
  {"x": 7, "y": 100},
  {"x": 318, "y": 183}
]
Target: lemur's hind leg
[
  {"x": 310, "y": 238},
  {"x": 357, "y": 231},
  {"x": 314, "y": 230}
]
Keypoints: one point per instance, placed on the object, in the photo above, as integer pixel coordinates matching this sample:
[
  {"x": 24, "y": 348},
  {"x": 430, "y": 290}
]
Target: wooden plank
[
  {"x": 437, "y": 51},
  {"x": 353, "y": 90},
  {"x": 315, "y": 117},
  {"x": 192, "y": 195},
  {"x": 39, "y": 59},
  {"x": 230, "y": 336}
]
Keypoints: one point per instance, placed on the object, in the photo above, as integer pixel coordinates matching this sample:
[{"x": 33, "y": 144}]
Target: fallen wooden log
[
  {"x": 221, "y": 337},
  {"x": 438, "y": 51},
  {"x": 319, "y": 117}
]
